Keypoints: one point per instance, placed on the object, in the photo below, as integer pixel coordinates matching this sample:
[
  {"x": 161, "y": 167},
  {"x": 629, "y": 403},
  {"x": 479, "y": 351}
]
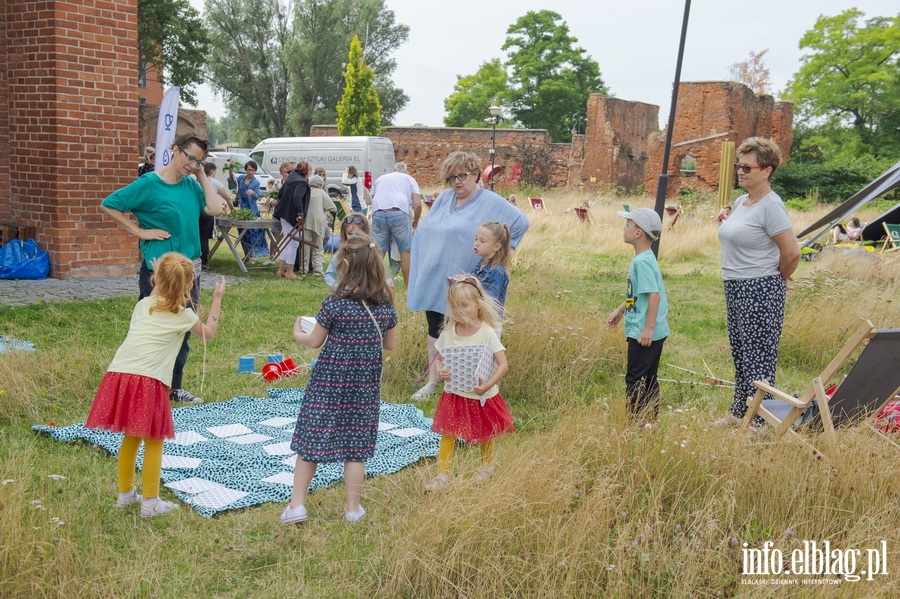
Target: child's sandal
[{"x": 159, "y": 508}]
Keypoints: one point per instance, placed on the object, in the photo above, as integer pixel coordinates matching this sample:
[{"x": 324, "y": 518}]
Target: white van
[{"x": 372, "y": 157}]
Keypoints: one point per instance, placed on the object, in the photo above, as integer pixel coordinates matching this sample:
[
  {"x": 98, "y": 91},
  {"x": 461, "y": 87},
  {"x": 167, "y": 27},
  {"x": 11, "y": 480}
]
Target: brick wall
[
  {"x": 70, "y": 136},
  {"x": 617, "y": 141},
  {"x": 4, "y": 111},
  {"x": 423, "y": 149},
  {"x": 622, "y": 146},
  {"x": 708, "y": 114}
]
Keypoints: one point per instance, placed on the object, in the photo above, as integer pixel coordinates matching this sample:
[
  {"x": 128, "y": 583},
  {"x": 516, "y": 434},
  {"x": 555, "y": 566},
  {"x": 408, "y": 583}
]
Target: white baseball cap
[{"x": 646, "y": 219}]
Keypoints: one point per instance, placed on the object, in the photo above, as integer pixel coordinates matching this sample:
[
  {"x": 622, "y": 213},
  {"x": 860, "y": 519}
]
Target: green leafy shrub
[{"x": 836, "y": 179}]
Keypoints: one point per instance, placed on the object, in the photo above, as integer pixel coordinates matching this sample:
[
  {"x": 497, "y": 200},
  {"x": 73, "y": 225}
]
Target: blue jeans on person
[
  {"x": 145, "y": 287},
  {"x": 392, "y": 224}
]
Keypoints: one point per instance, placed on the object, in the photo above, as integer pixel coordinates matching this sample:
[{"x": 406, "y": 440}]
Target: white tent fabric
[{"x": 885, "y": 182}]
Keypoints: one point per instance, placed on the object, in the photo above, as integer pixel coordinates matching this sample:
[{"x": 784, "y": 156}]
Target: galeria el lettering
[{"x": 815, "y": 559}]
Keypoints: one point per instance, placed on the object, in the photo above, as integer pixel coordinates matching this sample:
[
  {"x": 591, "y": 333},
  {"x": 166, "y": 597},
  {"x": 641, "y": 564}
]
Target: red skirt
[
  {"x": 132, "y": 404},
  {"x": 467, "y": 419}
]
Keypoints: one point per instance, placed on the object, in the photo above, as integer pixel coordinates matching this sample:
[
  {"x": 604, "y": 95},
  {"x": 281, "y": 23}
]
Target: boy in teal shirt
[{"x": 645, "y": 309}]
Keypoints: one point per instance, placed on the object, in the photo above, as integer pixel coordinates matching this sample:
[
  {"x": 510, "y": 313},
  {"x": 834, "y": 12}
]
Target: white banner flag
[{"x": 166, "y": 125}]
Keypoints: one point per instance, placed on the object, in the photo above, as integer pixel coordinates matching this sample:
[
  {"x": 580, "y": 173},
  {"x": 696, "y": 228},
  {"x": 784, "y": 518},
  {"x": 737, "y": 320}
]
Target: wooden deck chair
[
  {"x": 674, "y": 212},
  {"x": 873, "y": 381},
  {"x": 538, "y": 204},
  {"x": 893, "y": 238}
]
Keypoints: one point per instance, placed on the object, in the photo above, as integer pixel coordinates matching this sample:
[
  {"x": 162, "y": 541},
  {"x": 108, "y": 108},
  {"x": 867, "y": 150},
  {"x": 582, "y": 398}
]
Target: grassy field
[{"x": 582, "y": 505}]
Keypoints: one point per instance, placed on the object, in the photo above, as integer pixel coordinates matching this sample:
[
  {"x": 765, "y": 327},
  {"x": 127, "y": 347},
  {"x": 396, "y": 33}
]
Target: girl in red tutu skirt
[
  {"x": 133, "y": 397},
  {"x": 473, "y": 316}
]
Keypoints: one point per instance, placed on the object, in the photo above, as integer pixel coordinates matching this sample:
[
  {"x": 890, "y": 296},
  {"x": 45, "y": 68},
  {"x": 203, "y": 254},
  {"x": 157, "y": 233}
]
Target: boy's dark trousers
[{"x": 641, "y": 384}]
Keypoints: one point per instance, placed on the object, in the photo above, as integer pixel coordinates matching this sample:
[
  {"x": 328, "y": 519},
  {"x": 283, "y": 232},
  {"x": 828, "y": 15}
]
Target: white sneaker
[
  {"x": 440, "y": 482},
  {"x": 429, "y": 390},
  {"x": 355, "y": 516},
  {"x": 484, "y": 473},
  {"x": 291, "y": 515},
  {"x": 726, "y": 421},
  {"x": 182, "y": 396}
]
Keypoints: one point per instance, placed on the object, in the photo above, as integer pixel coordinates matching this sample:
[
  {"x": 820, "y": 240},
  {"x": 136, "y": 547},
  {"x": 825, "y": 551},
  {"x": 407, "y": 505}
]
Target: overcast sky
[{"x": 635, "y": 42}]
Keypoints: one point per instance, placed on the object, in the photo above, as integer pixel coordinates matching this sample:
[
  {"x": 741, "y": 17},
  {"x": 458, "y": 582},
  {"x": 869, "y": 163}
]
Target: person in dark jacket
[{"x": 293, "y": 202}]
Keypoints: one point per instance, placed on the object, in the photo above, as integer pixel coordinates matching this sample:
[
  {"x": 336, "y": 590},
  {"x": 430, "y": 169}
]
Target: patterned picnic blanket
[
  {"x": 237, "y": 453},
  {"x": 8, "y": 344}
]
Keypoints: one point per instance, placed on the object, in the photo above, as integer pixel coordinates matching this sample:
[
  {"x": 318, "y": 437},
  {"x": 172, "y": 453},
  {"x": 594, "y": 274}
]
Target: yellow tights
[
  {"x": 151, "y": 470},
  {"x": 445, "y": 454}
]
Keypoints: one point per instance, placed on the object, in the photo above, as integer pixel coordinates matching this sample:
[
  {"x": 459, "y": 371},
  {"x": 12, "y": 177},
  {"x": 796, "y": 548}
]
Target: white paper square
[
  {"x": 177, "y": 461},
  {"x": 307, "y": 324},
  {"x": 386, "y": 426},
  {"x": 279, "y": 448},
  {"x": 194, "y": 485},
  {"x": 187, "y": 438},
  {"x": 278, "y": 421},
  {"x": 229, "y": 430},
  {"x": 407, "y": 432},
  {"x": 291, "y": 461},
  {"x": 282, "y": 478},
  {"x": 217, "y": 498},
  {"x": 248, "y": 439}
]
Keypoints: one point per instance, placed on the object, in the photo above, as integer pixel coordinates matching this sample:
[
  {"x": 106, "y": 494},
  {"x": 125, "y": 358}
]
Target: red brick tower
[{"x": 68, "y": 126}]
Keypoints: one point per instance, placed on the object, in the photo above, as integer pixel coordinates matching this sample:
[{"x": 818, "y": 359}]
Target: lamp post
[{"x": 495, "y": 116}]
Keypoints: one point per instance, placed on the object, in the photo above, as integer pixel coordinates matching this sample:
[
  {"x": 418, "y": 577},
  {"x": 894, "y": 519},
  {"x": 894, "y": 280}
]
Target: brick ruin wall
[
  {"x": 423, "y": 149},
  {"x": 616, "y": 143},
  {"x": 622, "y": 147},
  {"x": 709, "y": 113}
]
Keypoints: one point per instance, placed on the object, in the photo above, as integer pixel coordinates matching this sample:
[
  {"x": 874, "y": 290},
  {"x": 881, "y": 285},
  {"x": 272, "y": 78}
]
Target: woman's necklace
[{"x": 751, "y": 200}]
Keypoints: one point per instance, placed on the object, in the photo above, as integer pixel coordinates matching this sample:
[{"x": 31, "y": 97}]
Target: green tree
[
  {"x": 247, "y": 66},
  {"x": 322, "y": 31},
  {"x": 550, "y": 77},
  {"x": 474, "y": 94},
  {"x": 279, "y": 63},
  {"x": 173, "y": 40},
  {"x": 847, "y": 91},
  {"x": 359, "y": 111}
]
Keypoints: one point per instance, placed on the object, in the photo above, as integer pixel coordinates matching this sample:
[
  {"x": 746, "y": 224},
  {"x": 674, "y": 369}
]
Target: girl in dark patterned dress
[
  {"x": 133, "y": 397},
  {"x": 338, "y": 419}
]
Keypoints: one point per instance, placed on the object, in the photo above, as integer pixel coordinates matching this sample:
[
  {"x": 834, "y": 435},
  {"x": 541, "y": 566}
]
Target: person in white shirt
[{"x": 391, "y": 196}]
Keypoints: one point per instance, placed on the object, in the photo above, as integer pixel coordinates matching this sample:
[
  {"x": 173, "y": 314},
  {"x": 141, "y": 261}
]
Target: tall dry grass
[
  {"x": 590, "y": 510},
  {"x": 582, "y": 505}
]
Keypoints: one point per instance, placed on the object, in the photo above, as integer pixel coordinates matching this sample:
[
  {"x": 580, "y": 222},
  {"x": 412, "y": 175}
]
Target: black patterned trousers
[{"x": 755, "y": 315}]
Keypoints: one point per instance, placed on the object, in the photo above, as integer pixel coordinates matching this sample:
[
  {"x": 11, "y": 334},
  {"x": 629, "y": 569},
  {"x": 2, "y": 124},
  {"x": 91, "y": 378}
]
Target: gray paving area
[{"x": 23, "y": 293}]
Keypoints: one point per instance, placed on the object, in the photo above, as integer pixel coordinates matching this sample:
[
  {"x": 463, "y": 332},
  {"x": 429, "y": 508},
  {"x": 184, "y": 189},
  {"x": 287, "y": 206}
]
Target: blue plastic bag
[{"x": 23, "y": 260}]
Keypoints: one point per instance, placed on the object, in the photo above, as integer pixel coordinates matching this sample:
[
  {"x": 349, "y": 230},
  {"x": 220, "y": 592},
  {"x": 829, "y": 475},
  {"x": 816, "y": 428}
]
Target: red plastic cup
[
  {"x": 289, "y": 367},
  {"x": 271, "y": 372}
]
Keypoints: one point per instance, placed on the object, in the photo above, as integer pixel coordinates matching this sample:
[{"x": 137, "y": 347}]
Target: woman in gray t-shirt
[{"x": 759, "y": 255}]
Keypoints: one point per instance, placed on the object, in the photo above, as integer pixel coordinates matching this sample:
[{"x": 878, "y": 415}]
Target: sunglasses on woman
[
  {"x": 744, "y": 168},
  {"x": 354, "y": 220}
]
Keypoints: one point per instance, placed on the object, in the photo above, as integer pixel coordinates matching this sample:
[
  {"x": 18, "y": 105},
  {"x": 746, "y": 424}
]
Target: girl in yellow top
[
  {"x": 133, "y": 397},
  {"x": 473, "y": 316}
]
